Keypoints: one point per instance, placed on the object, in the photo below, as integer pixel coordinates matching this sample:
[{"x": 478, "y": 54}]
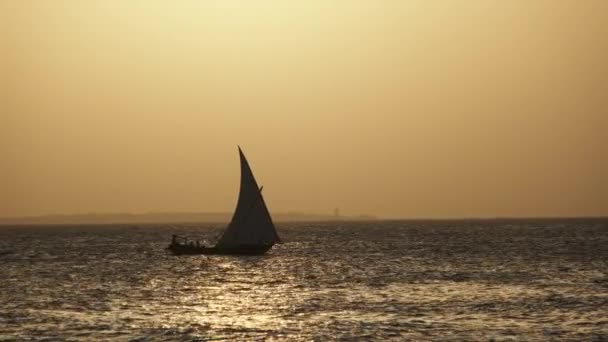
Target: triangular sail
[{"x": 251, "y": 223}]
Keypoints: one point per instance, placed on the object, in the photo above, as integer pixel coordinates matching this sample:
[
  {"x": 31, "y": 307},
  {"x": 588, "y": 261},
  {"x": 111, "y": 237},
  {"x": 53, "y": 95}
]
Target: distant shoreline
[
  {"x": 165, "y": 218},
  {"x": 223, "y": 218}
]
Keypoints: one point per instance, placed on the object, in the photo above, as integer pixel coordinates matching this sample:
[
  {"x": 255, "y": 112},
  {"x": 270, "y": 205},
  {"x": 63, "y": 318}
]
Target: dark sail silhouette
[
  {"x": 251, "y": 223},
  {"x": 251, "y": 230}
]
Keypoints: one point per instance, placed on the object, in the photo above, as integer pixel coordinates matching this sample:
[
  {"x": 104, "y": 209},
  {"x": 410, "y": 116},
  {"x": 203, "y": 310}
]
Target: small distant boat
[{"x": 251, "y": 230}]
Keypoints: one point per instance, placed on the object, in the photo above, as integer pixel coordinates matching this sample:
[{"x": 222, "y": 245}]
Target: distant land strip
[
  {"x": 186, "y": 217},
  {"x": 191, "y": 217}
]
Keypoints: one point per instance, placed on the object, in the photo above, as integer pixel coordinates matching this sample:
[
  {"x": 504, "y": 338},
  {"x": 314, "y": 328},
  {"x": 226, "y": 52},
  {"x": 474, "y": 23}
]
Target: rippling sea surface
[{"x": 385, "y": 280}]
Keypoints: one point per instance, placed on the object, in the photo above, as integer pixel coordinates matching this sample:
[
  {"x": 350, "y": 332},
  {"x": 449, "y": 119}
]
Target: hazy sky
[{"x": 394, "y": 108}]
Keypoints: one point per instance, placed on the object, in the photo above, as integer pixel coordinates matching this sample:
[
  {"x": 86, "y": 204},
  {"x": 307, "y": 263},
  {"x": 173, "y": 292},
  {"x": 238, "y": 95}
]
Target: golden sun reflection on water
[{"x": 378, "y": 281}]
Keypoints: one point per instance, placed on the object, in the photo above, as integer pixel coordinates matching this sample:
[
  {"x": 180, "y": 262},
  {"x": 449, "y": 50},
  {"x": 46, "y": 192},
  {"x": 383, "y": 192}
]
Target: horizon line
[{"x": 304, "y": 217}]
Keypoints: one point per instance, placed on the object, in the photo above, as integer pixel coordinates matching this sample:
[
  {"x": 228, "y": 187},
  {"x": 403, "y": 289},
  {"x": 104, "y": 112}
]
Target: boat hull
[{"x": 238, "y": 250}]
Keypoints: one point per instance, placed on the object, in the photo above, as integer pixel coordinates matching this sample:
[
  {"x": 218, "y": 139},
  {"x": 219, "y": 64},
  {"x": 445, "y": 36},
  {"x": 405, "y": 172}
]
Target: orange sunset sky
[{"x": 391, "y": 108}]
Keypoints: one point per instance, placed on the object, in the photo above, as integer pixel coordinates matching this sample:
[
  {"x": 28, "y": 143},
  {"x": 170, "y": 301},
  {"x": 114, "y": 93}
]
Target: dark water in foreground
[{"x": 536, "y": 280}]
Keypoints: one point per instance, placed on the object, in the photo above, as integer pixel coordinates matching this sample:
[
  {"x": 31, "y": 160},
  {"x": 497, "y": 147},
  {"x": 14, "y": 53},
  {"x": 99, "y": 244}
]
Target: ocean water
[{"x": 386, "y": 280}]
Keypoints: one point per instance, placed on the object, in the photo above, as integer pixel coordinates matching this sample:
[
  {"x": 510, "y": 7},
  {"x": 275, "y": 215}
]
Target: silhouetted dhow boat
[{"x": 251, "y": 231}]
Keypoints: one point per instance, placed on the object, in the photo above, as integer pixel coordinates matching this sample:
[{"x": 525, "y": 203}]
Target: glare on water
[{"x": 376, "y": 280}]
